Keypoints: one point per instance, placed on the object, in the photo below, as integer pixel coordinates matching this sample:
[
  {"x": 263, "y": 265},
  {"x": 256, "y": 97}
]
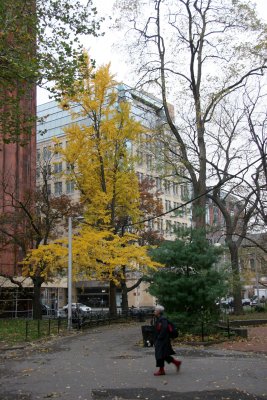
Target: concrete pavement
[{"x": 109, "y": 363}]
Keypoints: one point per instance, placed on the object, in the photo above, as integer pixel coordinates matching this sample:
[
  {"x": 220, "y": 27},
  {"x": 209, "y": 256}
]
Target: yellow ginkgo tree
[
  {"x": 101, "y": 163},
  {"x": 102, "y": 255},
  {"x": 99, "y": 151},
  {"x": 45, "y": 261},
  {"x": 96, "y": 255}
]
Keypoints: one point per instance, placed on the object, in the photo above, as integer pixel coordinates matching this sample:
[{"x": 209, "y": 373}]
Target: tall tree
[
  {"x": 190, "y": 283},
  {"x": 231, "y": 163},
  {"x": 39, "y": 44},
  {"x": 255, "y": 113},
  {"x": 196, "y": 54},
  {"x": 100, "y": 156}
]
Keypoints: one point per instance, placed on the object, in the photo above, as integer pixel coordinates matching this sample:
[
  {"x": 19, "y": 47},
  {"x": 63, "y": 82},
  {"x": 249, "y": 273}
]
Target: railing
[
  {"x": 205, "y": 331},
  {"x": 19, "y": 329}
]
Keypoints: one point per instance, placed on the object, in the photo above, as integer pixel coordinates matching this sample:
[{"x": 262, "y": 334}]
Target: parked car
[
  {"x": 147, "y": 309},
  {"x": 60, "y": 313},
  {"x": 246, "y": 302},
  {"x": 79, "y": 307},
  {"x": 227, "y": 302},
  {"x": 143, "y": 310},
  {"x": 254, "y": 301},
  {"x": 134, "y": 310}
]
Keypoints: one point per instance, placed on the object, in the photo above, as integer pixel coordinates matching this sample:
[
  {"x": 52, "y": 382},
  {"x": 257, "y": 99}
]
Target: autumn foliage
[{"x": 101, "y": 163}]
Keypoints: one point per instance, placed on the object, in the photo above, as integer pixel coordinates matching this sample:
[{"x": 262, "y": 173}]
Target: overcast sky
[{"x": 103, "y": 52}]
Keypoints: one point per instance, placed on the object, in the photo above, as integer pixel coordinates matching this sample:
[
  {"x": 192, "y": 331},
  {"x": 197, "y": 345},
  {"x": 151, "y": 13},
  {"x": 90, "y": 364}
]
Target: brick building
[
  {"x": 17, "y": 121},
  {"x": 17, "y": 175}
]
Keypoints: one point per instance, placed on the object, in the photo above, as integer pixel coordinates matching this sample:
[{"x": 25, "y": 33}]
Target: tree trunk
[
  {"x": 112, "y": 299},
  {"x": 36, "y": 301},
  {"x": 124, "y": 297},
  {"x": 237, "y": 287},
  {"x": 199, "y": 210},
  {"x": 124, "y": 293}
]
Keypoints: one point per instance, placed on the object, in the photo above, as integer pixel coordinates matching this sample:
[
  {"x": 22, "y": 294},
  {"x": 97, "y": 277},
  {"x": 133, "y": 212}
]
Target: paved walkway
[{"x": 109, "y": 363}]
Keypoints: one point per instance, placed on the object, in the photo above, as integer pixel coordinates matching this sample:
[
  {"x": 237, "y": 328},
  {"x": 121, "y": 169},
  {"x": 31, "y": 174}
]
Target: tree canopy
[
  {"x": 99, "y": 151},
  {"x": 190, "y": 284},
  {"x": 202, "y": 56},
  {"x": 39, "y": 44},
  {"x": 194, "y": 54}
]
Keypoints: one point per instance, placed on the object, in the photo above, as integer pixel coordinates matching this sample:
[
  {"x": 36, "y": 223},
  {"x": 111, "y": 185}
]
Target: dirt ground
[{"x": 256, "y": 341}]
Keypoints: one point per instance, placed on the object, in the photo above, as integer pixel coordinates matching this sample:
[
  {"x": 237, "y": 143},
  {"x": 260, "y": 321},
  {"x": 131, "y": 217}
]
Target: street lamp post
[
  {"x": 70, "y": 274},
  {"x": 257, "y": 279},
  {"x": 70, "y": 270}
]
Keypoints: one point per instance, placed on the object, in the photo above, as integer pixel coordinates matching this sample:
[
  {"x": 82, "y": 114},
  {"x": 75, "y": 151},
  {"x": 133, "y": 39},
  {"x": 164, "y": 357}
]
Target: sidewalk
[
  {"x": 109, "y": 362},
  {"x": 256, "y": 342}
]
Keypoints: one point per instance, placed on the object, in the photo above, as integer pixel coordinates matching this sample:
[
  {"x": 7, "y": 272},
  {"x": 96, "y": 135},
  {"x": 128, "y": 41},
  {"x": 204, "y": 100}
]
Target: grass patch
[
  {"x": 249, "y": 315},
  {"x": 13, "y": 331}
]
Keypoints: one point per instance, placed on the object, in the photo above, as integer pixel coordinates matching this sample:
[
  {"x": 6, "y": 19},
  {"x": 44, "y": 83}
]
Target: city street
[{"x": 110, "y": 363}]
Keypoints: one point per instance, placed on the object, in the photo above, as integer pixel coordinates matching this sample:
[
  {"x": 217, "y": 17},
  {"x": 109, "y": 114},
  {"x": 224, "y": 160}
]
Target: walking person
[{"x": 163, "y": 347}]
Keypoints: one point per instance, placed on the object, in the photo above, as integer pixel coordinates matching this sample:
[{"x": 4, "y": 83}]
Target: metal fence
[
  {"x": 19, "y": 329},
  {"x": 29, "y": 329}
]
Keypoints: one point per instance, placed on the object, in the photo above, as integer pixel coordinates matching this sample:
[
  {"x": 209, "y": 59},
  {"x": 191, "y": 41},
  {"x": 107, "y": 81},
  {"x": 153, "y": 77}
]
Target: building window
[
  {"x": 58, "y": 188},
  {"x": 168, "y": 226},
  {"x": 141, "y": 177},
  {"x": 149, "y": 161},
  {"x": 159, "y": 183},
  {"x": 151, "y": 224},
  {"x": 139, "y": 155},
  {"x": 168, "y": 205},
  {"x": 57, "y": 168},
  {"x": 184, "y": 192},
  {"x": 57, "y": 147},
  {"x": 46, "y": 153},
  {"x": 69, "y": 166},
  {"x": 215, "y": 215},
  {"x": 70, "y": 187},
  {"x": 175, "y": 189},
  {"x": 160, "y": 224},
  {"x": 167, "y": 186}
]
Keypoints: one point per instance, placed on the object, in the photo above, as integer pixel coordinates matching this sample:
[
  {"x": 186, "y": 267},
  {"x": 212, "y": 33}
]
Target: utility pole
[{"x": 70, "y": 274}]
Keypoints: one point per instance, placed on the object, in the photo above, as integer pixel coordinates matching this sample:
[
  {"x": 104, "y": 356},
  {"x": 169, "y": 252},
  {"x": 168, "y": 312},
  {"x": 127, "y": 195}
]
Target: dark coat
[{"x": 163, "y": 347}]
